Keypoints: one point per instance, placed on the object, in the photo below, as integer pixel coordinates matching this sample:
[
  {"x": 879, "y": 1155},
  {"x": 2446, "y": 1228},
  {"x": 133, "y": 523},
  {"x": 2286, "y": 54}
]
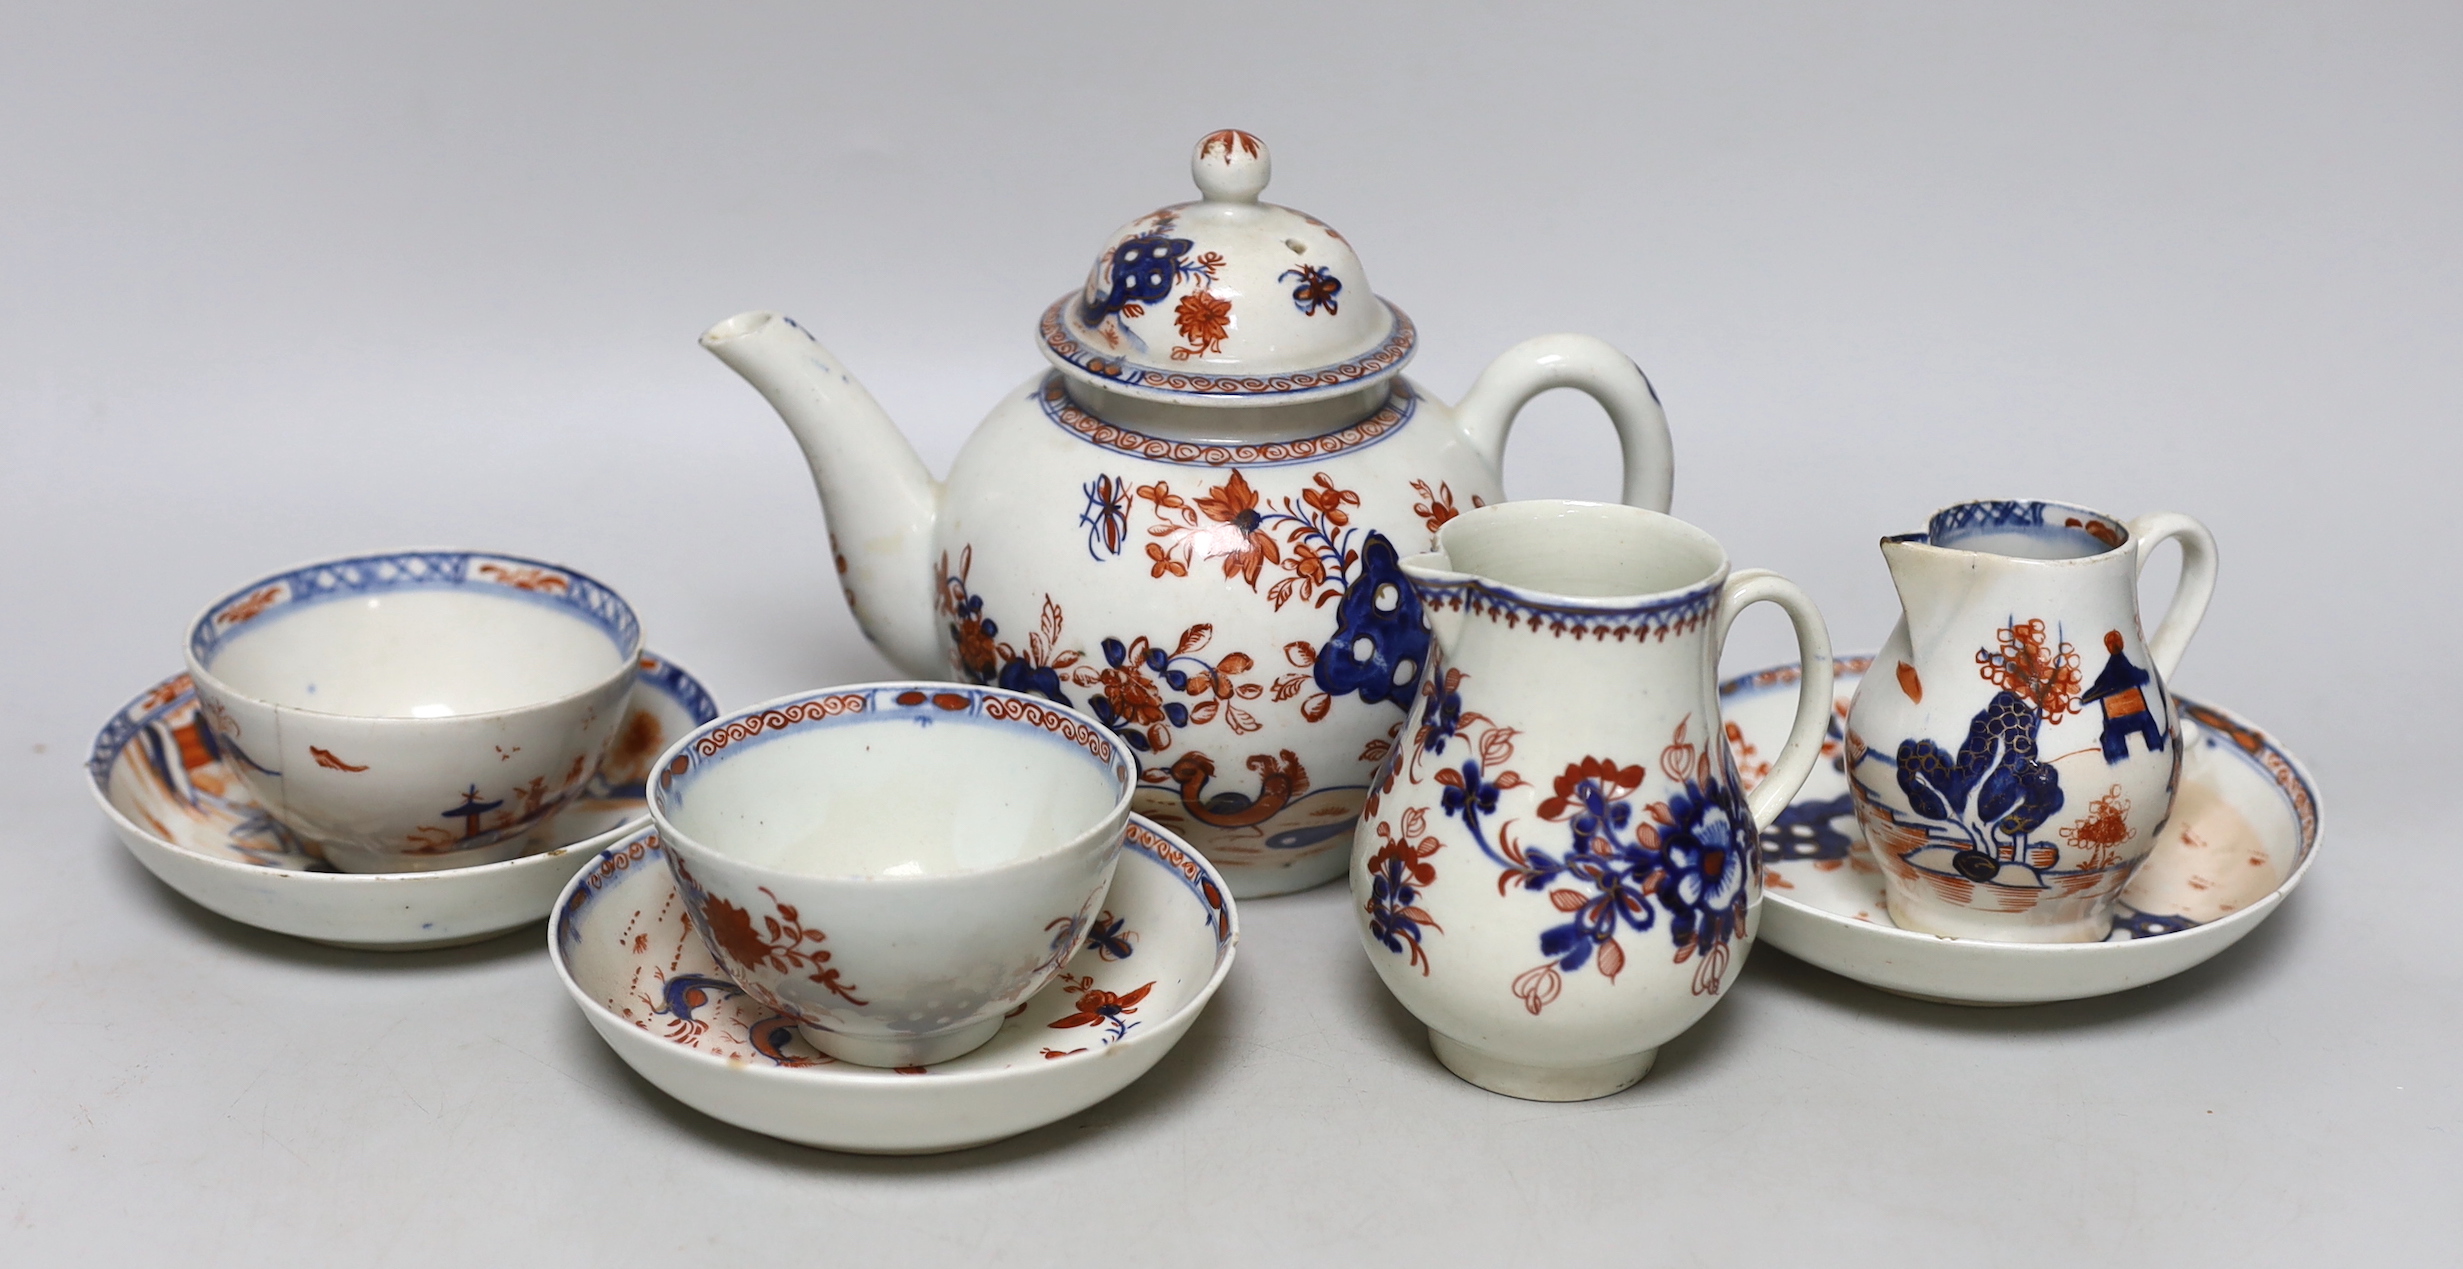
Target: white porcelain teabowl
[
  {"x": 1154, "y": 955},
  {"x": 894, "y": 866},
  {"x": 2015, "y": 755},
  {"x": 1558, "y": 870},
  {"x": 1188, "y": 524},
  {"x": 168, "y": 789},
  {"x": 2245, "y": 827},
  {"x": 415, "y": 710}
]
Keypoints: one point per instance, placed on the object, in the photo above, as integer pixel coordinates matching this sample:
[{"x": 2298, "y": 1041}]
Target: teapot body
[
  {"x": 1234, "y": 611},
  {"x": 1191, "y": 525}
]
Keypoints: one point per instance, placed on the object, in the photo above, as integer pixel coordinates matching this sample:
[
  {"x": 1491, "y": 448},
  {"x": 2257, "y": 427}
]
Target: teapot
[{"x": 1190, "y": 523}]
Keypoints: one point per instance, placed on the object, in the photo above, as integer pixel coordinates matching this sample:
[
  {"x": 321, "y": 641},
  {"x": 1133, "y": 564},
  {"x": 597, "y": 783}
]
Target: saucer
[
  {"x": 1156, "y": 953},
  {"x": 160, "y": 777},
  {"x": 2244, "y": 830}
]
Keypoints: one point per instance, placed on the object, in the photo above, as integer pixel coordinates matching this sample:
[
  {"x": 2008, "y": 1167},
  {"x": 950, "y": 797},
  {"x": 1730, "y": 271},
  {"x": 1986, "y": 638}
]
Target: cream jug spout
[
  {"x": 879, "y": 499},
  {"x": 1934, "y": 586}
]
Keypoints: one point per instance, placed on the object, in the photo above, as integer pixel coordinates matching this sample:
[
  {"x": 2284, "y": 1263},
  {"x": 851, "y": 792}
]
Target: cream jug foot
[
  {"x": 911, "y": 1051},
  {"x": 1541, "y": 1083}
]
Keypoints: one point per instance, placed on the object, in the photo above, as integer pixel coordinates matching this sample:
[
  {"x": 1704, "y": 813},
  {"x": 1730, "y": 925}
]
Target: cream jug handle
[
  {"x": 1813, "y": 691},
  {"x": 2189, "y": 600},
  {"x": 1593, "y": 367}
]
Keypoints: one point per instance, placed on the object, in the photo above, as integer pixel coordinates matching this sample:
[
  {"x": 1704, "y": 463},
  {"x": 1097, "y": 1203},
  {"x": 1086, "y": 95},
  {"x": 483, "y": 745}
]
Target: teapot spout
[{"x": 878, "y": 497}]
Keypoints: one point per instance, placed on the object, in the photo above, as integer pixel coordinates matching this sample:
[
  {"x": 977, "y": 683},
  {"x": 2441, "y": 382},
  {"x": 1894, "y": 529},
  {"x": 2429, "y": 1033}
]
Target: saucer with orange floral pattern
[
  {"x": 165, "y": 783},
  {"x": 2244, "y": 830},
  {"x": 1152, "y": 959}
]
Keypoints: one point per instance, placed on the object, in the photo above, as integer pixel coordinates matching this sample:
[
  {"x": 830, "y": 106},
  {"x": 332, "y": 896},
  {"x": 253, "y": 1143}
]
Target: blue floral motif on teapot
[
  {"x": 1143, "y": 271},
  {"x": 1380, "y": 641}
]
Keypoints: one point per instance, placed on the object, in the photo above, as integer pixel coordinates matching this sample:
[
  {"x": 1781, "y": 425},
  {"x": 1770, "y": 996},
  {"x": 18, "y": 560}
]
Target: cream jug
[
  {"x": 1559, "y": 869},
  {"x": 2013, "y": 750},
  {"x": 1188, "y": 524}
]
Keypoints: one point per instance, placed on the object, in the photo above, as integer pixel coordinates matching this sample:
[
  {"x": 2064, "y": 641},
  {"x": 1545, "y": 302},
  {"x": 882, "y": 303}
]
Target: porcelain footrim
[
  {"x": 1541, "y": 1083},
  {"x": 918, "y": 1051},
  {"x": 1964, "y": 1004},
  {"x": 1914, "y": 910},
  {"x": 428, "y": 945},
  {"x": 1263, "y": 881}
]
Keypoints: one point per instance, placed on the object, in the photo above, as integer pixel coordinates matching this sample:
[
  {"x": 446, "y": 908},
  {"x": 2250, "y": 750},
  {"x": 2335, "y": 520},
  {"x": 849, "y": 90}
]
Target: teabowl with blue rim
[
  {"x": 1131, "y": 986},
  {"x": 1106, "y": 939},
  {"x": 537, "y": 581},
  {"x": 157, "y": 761}
]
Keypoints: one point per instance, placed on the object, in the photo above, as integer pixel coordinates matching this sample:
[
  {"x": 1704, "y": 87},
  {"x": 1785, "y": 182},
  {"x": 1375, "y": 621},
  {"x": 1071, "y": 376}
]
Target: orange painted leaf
[{"x": 325, "y": 758}]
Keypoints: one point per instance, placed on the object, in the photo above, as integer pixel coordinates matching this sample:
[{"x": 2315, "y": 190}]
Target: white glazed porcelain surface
[
  {"x": 1557, "y": 874},
  {"x": 1209, "y": 568},
  {"x": 1227, "y": 297},
  {"x": 894, "y": 865},
  {"x": 2018, "y": 757},
  {"x": 169, "y": 793},
  {"x": 2244, "y": 830},
  {"x": 419, "y": 709},
  {"x": 1153, "y": 957}
]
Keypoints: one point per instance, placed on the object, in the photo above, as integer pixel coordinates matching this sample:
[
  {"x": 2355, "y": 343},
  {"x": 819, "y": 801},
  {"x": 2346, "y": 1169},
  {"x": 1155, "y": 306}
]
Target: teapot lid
[{"x": 1227, "y": 300}]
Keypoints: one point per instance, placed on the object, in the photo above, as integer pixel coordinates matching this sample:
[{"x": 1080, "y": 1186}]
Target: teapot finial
[{"x": 1231, "y": 166}]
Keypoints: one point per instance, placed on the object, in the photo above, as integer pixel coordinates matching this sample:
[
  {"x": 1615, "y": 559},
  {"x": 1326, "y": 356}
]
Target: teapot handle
[
  {"x": 1814, "y": 699},
  {"x": 1591, "y": 366},
  {"x": 2189, "y": 599}
]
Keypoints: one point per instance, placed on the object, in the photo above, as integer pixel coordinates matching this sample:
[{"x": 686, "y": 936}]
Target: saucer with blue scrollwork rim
[
  {"x": 159, "y": 776},
  {"x": 1154, "y": 956},
  {"x": 2244, "y": 831}
]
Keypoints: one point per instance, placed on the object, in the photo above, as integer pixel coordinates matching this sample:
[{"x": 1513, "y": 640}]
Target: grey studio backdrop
[{"x": 278, "y": 283}]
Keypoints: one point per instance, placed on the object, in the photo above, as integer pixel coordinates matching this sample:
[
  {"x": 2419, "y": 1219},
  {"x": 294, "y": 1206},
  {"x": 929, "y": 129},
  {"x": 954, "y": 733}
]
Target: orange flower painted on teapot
[
  {"x": 1204, "y": 319},
  {"x": 1242, "y": 543}
]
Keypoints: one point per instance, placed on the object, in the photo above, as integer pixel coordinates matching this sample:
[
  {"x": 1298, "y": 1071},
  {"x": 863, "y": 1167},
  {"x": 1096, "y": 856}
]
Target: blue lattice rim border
[
  {"x": 1654, "y": 616},
  {"x": 537, "y": 580},
  {"x": 1944, "y": 529}
]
